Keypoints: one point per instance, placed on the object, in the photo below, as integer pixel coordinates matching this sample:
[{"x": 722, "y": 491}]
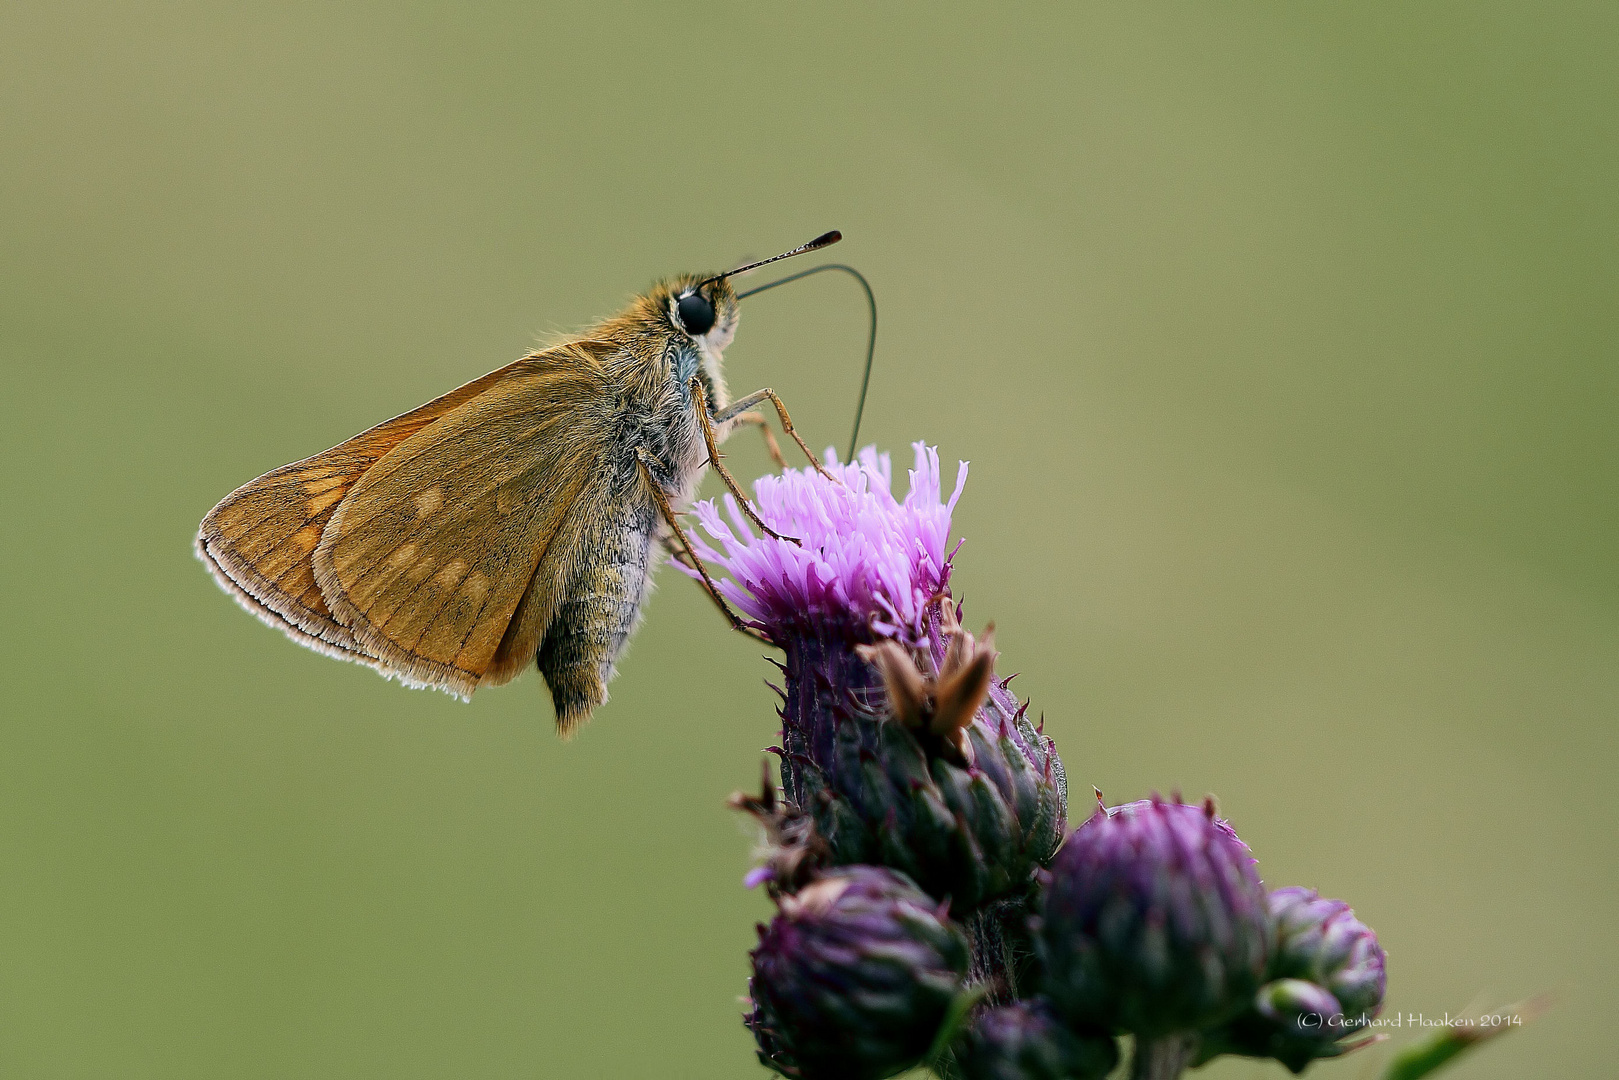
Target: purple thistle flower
[
  {"x": 866, "y": 558},
  {"x": 854, "y": 978},
  {"x": 896, "y": 737},
  {"x": 1154, "y": 921}
]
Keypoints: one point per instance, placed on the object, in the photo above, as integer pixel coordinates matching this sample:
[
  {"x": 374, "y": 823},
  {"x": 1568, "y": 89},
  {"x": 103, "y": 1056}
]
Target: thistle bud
[
  {"x": 896, "y": 736},
  {"x": 1321, "y": 940},
  {"x": 854, "y": 978},
  {"x": 1327, "y": 985},
  {"x": 1295, "y": 1005},
  {"x": 1026, "y": 1041},
  {"x": 1154, "y": 921}
]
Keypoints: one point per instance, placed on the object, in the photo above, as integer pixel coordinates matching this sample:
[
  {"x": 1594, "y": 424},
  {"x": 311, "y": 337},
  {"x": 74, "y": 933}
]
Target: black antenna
[
  {"x": 871, "y": 302},
  {"x": 826, "y": 239}
]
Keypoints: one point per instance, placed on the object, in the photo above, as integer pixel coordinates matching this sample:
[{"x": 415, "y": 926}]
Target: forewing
[
  {"x": 427, "y": 556},
  {"x": 260, "y": 538}
]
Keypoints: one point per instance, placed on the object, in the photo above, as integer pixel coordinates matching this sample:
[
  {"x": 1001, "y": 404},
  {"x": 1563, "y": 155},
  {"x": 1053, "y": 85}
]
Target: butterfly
[{"x": 513, "y": 521}]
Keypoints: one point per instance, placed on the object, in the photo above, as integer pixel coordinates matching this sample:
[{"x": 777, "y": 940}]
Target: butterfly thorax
[{"x": 653, "y": 362}]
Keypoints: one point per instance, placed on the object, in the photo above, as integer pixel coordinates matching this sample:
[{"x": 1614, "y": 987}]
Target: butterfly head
[
  {"x": 698, "y": 315},
  {"x": 703, "y": 310}
]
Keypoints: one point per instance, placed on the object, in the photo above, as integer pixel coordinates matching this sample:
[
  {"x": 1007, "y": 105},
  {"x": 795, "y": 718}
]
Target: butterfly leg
[
  {"x": 650, "y": 468},
  {"x": 707, "y": 424},
  {"x": 736, "y": 408},
  {"x": 771, "y": 446}
]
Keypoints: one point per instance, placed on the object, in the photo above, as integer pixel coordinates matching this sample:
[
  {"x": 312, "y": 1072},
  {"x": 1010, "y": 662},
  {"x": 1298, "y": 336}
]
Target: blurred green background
[{"x": 1281, "y": 340}]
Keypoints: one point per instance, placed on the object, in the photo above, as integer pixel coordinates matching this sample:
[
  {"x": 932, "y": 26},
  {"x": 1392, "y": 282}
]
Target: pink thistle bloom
[{"x": 867, "y": 559}]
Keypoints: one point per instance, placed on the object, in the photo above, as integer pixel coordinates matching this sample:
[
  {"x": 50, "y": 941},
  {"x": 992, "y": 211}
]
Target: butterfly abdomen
[{"x": 599, "y": 612}]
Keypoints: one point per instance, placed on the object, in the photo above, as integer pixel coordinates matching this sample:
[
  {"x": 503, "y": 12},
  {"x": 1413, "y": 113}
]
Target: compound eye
[{"x": 696, "y": 313}]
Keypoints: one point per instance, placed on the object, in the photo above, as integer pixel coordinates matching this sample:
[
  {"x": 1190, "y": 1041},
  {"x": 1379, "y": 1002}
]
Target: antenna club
[{"x": 819, "y": 242}]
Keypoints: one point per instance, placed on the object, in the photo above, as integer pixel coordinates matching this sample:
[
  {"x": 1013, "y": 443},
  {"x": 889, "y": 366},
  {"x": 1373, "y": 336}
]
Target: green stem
[
  {"x": 1163, "y": 1058},
  {"x": 993, "y": 965}
]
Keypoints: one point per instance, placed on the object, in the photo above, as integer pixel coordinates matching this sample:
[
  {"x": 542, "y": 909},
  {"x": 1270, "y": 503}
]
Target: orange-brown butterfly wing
[
  {"x": 428, "y": 555},
  {"x": 260, "y": 538}
]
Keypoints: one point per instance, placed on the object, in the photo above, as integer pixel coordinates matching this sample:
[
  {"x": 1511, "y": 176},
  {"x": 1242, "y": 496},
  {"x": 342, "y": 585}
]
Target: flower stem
[
  {"x": 994, "y": 958},
  {"x": 1163, "y": 1058}
]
